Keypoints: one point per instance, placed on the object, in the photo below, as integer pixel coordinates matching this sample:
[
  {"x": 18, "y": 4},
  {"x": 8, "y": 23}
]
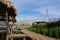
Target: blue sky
[{"x": 35, "y": 10}]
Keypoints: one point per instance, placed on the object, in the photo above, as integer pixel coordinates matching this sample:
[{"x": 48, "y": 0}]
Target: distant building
[
  {"x": 40, "y": 23},
  {"x": 23, "y": 25}
]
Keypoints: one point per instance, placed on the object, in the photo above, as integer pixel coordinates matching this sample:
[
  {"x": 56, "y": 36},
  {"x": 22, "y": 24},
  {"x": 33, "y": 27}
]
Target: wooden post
[
  {"x": 7, "y": 25},
  {"x": 2, "y": 36},
  {"x": 11, "y": 34},
  {"x": 24, "y": 38}
]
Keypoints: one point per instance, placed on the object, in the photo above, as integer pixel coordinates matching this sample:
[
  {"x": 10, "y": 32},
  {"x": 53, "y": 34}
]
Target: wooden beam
[
  {"x": 18, "y": 36},
  {"x": 7, "y": 25}
]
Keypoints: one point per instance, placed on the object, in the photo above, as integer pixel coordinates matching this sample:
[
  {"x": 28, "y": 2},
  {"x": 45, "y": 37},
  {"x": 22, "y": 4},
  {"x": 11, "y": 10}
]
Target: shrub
[{"x": 51, "y": 32}]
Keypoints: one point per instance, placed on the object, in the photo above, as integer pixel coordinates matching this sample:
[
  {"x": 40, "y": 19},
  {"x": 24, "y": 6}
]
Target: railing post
[
  {"x": 11, "y": 34},
  {"x": 7, "y": 25},
  {"x": 24, "y": 38}
]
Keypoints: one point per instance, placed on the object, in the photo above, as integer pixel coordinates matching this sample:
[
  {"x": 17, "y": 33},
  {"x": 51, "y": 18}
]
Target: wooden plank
[
  {"x": 17, "y": 36},
  {"x": 16, "y": 31},
  {"x": 3, "y": 31}
]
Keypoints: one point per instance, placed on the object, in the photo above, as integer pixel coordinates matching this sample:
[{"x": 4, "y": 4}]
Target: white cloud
[
  {"x": 22, "y": 2},
  {"x": 51, "y": 10},
  {"x": 42, "y": 6},
  {"x": 29, "y": 18}
]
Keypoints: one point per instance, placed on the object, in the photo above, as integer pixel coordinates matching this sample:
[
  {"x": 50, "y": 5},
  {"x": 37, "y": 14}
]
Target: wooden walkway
[
  {"x": 36, "y": 36},
  {"x": 32, "y": 35}
]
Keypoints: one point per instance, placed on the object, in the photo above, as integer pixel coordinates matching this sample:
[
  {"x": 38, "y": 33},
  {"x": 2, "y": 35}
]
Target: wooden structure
[{"x": 7, "y": 14}]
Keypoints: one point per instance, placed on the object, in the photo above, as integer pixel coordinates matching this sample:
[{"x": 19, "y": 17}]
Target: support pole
[
  {"x": 24, "y": 38},
  {"x": 11, "y": 33},
  {"x": 7, "y": 25}
]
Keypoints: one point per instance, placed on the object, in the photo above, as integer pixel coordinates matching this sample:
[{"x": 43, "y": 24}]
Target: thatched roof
[
  {"x": 6, "y": 5},
  {"x": 9, "y": 4}
]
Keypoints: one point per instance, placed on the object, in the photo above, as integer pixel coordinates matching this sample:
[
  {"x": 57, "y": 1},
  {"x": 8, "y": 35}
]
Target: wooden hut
[{"x": 7, "y": 13}]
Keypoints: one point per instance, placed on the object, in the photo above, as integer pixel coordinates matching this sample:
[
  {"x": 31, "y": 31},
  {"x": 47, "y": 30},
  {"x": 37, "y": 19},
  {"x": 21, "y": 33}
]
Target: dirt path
[{"x": 36, "y": 36}]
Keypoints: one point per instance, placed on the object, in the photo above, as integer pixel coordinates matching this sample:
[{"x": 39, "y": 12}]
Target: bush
[{"x": 51, "y": 32}]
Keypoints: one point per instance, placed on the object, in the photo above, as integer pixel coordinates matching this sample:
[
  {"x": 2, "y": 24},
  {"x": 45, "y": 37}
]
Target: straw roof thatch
[{"x": 9, "y": 4}]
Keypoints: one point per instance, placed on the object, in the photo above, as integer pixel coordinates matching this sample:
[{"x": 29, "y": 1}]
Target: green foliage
[
  {"x": 51, "y": 31},
  {"x": 34, "y": 25}
]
